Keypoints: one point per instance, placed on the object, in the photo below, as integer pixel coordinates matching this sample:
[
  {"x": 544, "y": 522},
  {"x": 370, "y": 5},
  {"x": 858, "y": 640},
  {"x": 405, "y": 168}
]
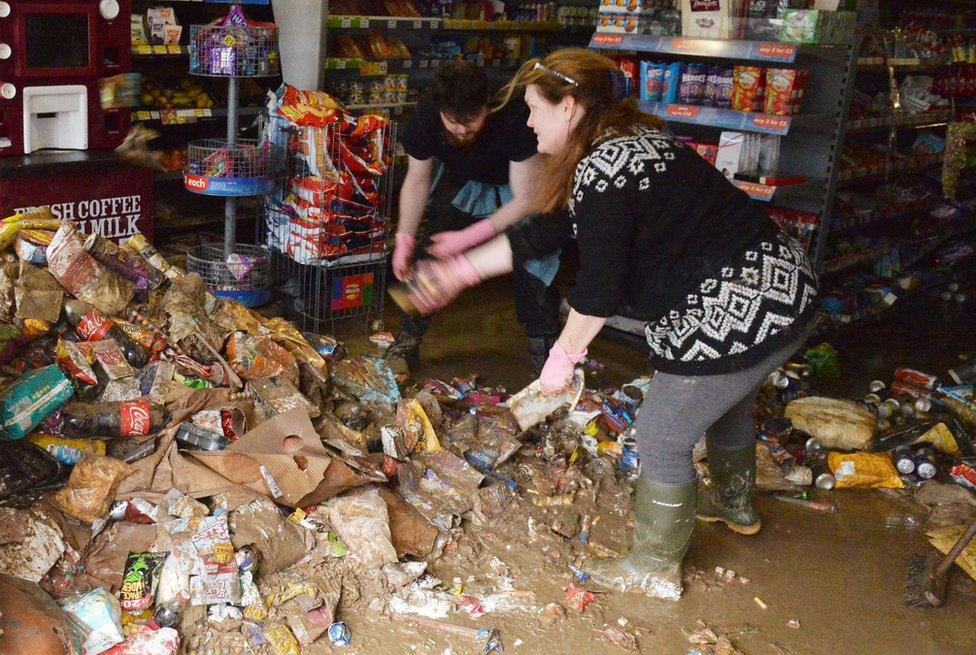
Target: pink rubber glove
[
  {"x": 448, "y": 244},
  {"x": 436, "y": 282},
  {"x": 403, "y": 255},
  {"x": 557, "y": 374}
]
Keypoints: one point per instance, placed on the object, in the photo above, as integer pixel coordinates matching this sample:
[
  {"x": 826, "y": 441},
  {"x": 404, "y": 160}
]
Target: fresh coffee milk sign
[
  {"x": 115, "y": 203},
  {"x": 114, "y": 218}
]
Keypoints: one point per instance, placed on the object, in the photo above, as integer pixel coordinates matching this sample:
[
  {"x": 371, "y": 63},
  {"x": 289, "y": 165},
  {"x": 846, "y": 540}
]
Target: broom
[{"x": 925, "y": 584}]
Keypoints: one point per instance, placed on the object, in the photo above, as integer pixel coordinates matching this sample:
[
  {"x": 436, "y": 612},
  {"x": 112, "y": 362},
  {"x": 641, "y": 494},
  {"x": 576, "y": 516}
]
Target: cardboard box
[{"x": 730, "y": 146}]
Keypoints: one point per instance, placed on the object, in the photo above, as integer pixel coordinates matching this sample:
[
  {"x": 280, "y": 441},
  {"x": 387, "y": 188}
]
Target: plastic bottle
[
  {"x": 92, "y": 325},
  {"x": 131, "y": 418}
]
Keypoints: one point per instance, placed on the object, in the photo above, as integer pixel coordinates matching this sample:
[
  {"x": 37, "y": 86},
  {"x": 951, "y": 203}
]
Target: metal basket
[
  {"x": 245, "y": 278},
  {"x": 319, "y": 297},
  {"x": 215, "y": 168},
  {"x": 234, "y": 51}
]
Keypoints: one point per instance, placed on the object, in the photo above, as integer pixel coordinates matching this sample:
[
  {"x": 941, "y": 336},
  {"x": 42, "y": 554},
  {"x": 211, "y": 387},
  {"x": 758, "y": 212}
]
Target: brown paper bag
[{"x": 37, "y": 294}]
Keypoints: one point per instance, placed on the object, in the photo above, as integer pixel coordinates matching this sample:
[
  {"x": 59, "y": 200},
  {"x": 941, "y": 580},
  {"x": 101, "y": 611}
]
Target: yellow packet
[
  {"x": 863, "y": 469},
  {"x": 281, "y": 639},
  {"x": 940, "y": 436},
  {"x": 67, "y": 451},
  {"x": 418, "y": 423}
]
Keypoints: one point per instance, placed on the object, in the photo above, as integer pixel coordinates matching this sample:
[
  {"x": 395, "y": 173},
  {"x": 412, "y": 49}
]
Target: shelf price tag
[
  {"x": 340, "y": 64},
  {"x": 777, "y": 124},
  {"x": 174, "y": 49},
  {"x": 345, "y": 23},
  {"x": 757, "y": 191},
  {"x": 391, "y": 24},
  {"x": 418, "y": 24},
  {"x": 143, "y": 115},
  {"x": 607, "y": 40},
  {"x": 683, "y": 111},
  {"x": 777, "y": 51},
  {"x": 408, "y": 63}
]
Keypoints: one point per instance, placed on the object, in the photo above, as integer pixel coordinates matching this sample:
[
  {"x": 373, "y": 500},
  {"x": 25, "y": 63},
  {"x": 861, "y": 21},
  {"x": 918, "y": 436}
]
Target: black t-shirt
[{"x": 504, "y": 138}]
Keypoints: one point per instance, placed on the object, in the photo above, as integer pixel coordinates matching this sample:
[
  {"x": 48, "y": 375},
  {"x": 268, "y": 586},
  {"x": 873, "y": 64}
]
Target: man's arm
[
  {"x": 522, "y": 179},
  {"x": 413, "y": 199},
  {"x": 414, "y": 194}
]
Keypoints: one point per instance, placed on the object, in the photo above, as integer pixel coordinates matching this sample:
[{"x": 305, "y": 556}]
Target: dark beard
[{"x": 454, "y": 142}]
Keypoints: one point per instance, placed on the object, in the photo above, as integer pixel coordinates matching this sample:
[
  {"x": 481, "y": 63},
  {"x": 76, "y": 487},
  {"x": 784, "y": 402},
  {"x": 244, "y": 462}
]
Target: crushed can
[{"x": 339, "y": 634}]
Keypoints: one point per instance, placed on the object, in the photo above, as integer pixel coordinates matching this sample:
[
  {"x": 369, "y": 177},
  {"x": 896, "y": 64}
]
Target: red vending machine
[{"x": 52, "y": 55}]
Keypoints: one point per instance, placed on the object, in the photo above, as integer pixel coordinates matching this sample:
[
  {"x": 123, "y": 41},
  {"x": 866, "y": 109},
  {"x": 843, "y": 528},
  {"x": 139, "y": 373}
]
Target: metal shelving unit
[
  {"x": 811, "y": 140},
  {"x": 887, "y": 227}
]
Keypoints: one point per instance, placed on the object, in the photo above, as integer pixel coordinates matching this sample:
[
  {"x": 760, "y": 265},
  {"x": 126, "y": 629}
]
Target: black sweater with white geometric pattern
[{"x": 653, "y": 222}]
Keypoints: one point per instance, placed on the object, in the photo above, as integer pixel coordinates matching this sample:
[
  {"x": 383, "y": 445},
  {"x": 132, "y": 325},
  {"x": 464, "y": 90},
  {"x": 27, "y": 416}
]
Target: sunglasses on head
[{"x": 565, "y": 78}]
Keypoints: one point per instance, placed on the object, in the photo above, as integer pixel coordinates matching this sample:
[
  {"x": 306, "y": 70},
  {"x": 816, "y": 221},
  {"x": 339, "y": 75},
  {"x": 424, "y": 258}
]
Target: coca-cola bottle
[
  {"x": 92, "y": 325},
  {"x": 128, "y": 418}
]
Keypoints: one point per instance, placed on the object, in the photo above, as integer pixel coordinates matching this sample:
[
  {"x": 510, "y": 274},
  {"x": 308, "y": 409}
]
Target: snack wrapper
[{"x": 97, "y": 616}]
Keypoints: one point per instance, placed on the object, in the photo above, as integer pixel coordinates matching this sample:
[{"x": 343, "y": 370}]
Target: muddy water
[{"x": 839, "y": 576}]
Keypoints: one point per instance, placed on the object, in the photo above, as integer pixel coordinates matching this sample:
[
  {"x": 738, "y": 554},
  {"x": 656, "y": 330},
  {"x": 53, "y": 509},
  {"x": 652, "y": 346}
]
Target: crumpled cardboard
[
  {"x": 283, "y": 458},
  {"x": 37, "y": 294},
  {"x": 945, "y": 538},
  {"x": 411, "y": 533},
  {"x": 166, "y": 469}
]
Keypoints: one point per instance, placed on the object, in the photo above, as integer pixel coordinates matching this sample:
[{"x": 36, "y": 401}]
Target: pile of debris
[
  {"x": 912, "y": 435},
  {"x": 181, "y": 474}
]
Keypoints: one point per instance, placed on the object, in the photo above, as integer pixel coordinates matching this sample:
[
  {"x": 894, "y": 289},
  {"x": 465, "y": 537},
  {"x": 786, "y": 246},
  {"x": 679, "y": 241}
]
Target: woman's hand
[
  {"x": 557, "y": 374},
  {"x": 435, "y": 283},
  {"x": 448, "y": 244}
]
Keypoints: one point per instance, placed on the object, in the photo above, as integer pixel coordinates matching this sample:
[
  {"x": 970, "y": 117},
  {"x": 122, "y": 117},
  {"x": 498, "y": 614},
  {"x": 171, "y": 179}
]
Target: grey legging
[{"x": 678, "y": 410}]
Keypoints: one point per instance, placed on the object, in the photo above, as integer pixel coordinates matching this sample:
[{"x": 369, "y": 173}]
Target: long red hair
[{"x": 606, "y": 114}]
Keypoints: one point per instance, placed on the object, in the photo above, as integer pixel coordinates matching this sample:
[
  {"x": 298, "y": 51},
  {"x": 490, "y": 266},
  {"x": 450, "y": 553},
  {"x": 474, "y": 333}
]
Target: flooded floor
[{"x": 826, "y": 584}]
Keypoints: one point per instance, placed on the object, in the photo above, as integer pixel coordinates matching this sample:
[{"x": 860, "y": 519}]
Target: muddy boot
[
  {"x": 729, "y": 499},
  {"x": 406, "y": 347},
  {"x": 539, "y": 348},
  {"x": 664, "y": 516}
]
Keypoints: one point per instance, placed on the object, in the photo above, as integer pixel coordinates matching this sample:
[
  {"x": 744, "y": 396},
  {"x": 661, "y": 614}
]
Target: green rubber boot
[
  {"x": 664, "y": 516},
  {"x": 729, "y": 499}
]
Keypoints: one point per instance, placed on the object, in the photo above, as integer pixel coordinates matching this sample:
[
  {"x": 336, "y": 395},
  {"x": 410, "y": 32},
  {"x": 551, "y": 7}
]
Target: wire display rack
[
  {"x": 244, "y": 276},
  {"x": 232, "y": 167},
  {"x": 216, "y": 168},
  {"x": 326, "y": 227},
  {"x": 234, "y": 51}
]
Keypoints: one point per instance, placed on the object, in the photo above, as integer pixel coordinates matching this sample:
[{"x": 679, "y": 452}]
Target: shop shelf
[
  {"x": 927, "y": 119},
  {"x": 899, "y": 62},
  {"x": 380, "y": 22},
  {"x": 890, "y": 213},
  {"x": 844, "y": 262},
  {"x": 764, "y": 51},
  {"x": 181, "y": 116},
  {"x": 729, "y": 119},
  {"x": 216, "y": 169},
  {"x": 909, "y": 163}
]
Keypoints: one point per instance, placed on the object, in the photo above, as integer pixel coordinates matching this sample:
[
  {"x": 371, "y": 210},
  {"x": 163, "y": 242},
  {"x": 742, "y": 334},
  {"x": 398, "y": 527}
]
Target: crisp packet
[{"x": 139, "y": 581}]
